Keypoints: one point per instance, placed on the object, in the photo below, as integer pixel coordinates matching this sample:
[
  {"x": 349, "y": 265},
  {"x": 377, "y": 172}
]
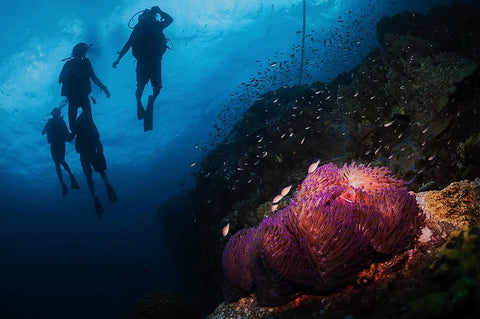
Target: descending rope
[{"x": 303, "y": 42}]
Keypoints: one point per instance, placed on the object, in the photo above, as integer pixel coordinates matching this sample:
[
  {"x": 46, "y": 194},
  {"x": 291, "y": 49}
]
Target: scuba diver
[
  {"x": 75, "y": 79},
  {"x": 88, "y": 145},
  {"x": 57, "y": 134},
  {"x": 148, "y": 46}
]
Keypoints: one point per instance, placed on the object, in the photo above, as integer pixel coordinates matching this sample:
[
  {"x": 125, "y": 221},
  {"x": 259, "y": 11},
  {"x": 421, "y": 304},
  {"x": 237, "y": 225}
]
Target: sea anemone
[
  {"x": 239, "y": 263},
  {"x": 370, "y": 179},
  {"x": 332, "y": 236},
  {"x": 392, "y": 220},
  {"x": 280, "y": 250},
  {"x": 338, "y": 220}
]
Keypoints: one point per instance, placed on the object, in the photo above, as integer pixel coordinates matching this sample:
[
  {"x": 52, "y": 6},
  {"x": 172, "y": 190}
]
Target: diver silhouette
[
  {"x": 88, "y": 145},
  {"x": 148, "y": 46},
  {"x": 57, "y": 135},
  {"x": 75, "y": 79}
]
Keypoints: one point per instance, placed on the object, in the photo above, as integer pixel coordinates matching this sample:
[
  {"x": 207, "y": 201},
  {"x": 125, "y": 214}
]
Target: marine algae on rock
[{"x": 456, "y": 272}]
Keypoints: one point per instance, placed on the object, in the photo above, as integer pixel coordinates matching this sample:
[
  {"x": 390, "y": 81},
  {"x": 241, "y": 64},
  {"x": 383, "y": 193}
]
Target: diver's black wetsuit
[
  {"x": 57, "y": 134},
  {"x": 75, "y": 77}
]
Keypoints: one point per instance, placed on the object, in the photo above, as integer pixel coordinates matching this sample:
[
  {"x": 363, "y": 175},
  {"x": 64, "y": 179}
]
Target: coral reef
[
  {"x": 459, "y": 203},
  {"x": 412, "y": 105},
  {"x": 403, "y": 101},
  {"x": 438, "y": 277},
  {"x": 338, "y": 222},
  {"x": 402, "y": 94}
]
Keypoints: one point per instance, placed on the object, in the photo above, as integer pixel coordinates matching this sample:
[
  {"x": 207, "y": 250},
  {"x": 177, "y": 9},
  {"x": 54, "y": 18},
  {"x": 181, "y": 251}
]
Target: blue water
[{"x": 57, "y": 259}]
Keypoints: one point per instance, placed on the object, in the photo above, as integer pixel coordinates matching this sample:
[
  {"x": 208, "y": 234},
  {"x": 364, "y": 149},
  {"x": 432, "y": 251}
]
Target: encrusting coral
[{"x": 340, "y": 220}]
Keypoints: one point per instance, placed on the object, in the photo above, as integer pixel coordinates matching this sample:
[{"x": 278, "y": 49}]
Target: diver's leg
[
  {"x": 59, "y": 171},
  {"x": 72, "y": 113},
  {"x": 60, "y": 178},
  {"x": 66, "y": 167},
  {"x": 96, "y": 202},
  {"x": 61, "y": 158},
  {"x": 142, "y": 80},
  {"x": 60, "y": 150},
  {"x": 86, "y": 106},
  {"x": 91, "y": 187},
  {"x": 73, "y": 181},
  {"x": 112, "y": 195},
  {"x": 156, "y": 78},
  {"x": 138, "y": 96},
  {"x": 156, "y": 92},
  {"x": 56, "y": 156},
  {"x": 87, "y": 170}
]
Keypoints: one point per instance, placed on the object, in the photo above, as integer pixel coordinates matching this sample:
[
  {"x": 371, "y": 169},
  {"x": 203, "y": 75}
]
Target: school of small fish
[{"x": 287, "y": 189}]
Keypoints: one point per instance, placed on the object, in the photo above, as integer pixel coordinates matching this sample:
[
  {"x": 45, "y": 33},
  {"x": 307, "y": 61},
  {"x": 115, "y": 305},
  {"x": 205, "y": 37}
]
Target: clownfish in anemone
[{"x": 348, "y": 196}]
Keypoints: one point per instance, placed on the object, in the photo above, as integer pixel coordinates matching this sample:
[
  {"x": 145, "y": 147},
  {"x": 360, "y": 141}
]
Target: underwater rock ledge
[
  {"x": 439, "y": 276},
  {"x": 388, "y": 111}
]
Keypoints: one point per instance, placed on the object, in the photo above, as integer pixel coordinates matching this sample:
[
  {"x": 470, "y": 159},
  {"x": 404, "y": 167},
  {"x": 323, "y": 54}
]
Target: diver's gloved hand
[
  {"x": 70, "y": 137},
  {"x": 107, "y": 92},
  {"x": 114, "y": 64},
  {"x": 104, "y": 89}
]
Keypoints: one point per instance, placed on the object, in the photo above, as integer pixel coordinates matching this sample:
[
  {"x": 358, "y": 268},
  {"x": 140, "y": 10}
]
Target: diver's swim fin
[
  {"x": 73, "y": 182},
  {"x": 148, "y": 120},
  {"x": 64, "y": 189},
  {"x": 140, "y": 111},
  {"x": 98, "y": 206},
  {"x": 112, "y": 196}
]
